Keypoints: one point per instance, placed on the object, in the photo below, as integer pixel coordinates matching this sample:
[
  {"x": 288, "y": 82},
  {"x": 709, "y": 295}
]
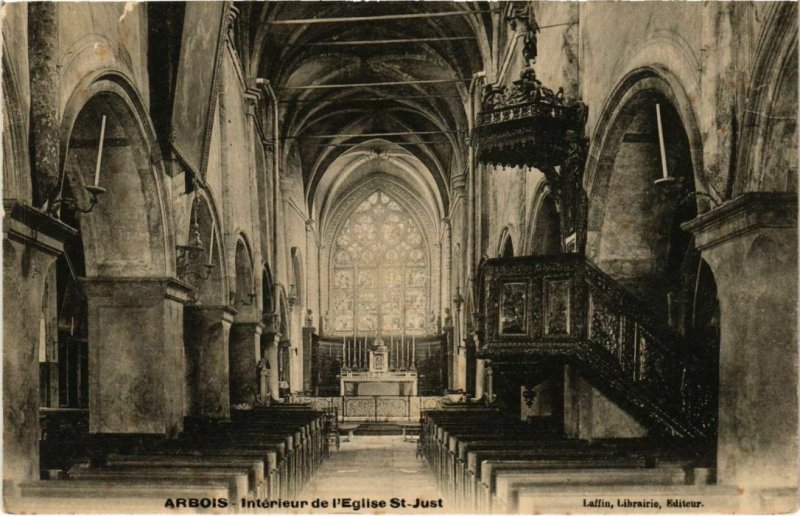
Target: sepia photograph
[{"x": 400, "y": 257}]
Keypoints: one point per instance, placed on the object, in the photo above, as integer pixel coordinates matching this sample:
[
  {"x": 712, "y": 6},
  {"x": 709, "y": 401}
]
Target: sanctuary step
[
  {"x": 264, "y": 453},
  {"x": 379, "y": 429}
]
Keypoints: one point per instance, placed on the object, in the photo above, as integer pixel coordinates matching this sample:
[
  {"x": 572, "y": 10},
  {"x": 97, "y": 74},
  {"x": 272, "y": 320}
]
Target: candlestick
[{"x": 100, "y": 152}]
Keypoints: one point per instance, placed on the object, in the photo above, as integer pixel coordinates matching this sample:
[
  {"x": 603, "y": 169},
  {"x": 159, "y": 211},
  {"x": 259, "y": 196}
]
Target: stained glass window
[{"x": 379, "y": 271}]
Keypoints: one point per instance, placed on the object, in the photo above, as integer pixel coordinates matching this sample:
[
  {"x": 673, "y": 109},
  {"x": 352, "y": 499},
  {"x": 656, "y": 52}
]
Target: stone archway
[
  {"x": 634, "y": 219},
  {"x": 506, "y": 247},
  {"x": 136, "y": 360},
  {"x": 208, "y": 319},
  {"x": 269, "y": 341},
  {"x": 245, "y": 337},
  {"x": 545, "y": 228},
  {"x": 644, "y": 181}
]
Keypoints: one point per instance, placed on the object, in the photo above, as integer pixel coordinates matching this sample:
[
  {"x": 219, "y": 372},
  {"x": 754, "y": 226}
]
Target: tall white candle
[
  {"x": 211, "y": 247},
  {"x": 100, "y": 152},
  {"x": 661, "y": 147}
]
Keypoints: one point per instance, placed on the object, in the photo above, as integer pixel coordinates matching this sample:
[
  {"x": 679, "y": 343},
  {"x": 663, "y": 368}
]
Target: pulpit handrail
[{"x": 610, "y": 329}]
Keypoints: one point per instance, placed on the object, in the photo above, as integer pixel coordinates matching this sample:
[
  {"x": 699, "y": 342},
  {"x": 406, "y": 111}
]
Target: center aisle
[{"x": 379, "y": 469}]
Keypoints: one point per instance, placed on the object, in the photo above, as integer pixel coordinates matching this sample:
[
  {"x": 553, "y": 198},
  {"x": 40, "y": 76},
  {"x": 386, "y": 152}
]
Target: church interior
[{"x": 484, "y": 256}]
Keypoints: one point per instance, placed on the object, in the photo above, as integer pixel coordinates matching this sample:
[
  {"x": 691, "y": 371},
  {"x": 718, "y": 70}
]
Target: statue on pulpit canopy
[
  {"x": 309, "y": 318},
  {"x": 522, "y": 13}
]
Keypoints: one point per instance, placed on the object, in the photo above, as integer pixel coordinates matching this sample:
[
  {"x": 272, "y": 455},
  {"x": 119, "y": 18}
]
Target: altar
[
  {"x": 379, "y": 379},
  {"x": 371, "y": 383}
]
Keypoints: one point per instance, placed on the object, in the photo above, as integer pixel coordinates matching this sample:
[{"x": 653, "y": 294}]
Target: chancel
[{"x": 511, "y": 257}]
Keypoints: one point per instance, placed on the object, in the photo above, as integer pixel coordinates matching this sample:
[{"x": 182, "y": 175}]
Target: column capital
[
  {"x": 257, "y": 327},
  {"x": 459, "y": 182},
  {"x": 224, "y": 313},
  {"x": 141, "y": 290},
  {"x": 745, "y": 214}
]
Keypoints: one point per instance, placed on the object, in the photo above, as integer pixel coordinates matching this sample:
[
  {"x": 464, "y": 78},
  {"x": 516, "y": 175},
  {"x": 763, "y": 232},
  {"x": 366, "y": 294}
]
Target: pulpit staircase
[{"x": 564, "y": 308}]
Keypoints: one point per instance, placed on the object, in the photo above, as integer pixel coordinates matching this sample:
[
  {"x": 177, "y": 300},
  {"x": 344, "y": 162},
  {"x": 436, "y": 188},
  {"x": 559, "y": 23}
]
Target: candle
[
  {"x": 413, "y": 349},
  {"x": 661, "y": 143},
  {"x": 211, "y": 247},
  {"x": 100, "y": 152}
]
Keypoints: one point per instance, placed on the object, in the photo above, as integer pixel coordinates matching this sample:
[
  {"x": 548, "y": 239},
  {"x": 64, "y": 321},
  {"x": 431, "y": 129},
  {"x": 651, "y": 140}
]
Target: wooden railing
[{"x": 564, "y": 306}]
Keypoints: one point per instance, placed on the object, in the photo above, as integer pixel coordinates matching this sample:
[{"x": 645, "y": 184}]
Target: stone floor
[{"x": 376, "y": 469}]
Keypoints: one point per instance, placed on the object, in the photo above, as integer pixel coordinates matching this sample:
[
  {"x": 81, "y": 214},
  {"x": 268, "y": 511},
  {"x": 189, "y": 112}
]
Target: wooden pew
[
  {"x": 272, "y": 454},
  {"x": 254, "y": 466},
  {"x": 264, "y": 453},
  {"x": 507, "y": 482},
  {"x": 482, "y": 466},
  {"x": 235, "y": 478},
  {"x": 96, "y": 496}
]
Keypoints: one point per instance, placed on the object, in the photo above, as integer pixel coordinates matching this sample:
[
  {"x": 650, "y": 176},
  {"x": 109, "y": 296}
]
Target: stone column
[
  {"x": 479, "y": 378},
  {"x": 489, "y": 382},
  {"x": 136, "y": 357},
  {"x": 296, "y": 359},
  {"x": 269, "y": 349},
  {"x": 245, "y": 354},
  {"x": 751, "y": 245},
  {"x": 31, "y": 243},
  {"x": 285, "y": 357},
  {"x": 207, "y": 353},
  {"x": 470, "y": 361},
  {"x": 452, "y": 350},
  {"x": 461, "y": 368},
  {"x": 44, "y": 76},
  {"x": 309, "y": 367}
]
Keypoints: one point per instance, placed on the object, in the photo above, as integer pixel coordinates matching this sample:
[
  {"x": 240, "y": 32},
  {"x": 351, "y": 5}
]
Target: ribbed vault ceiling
[{"x": 433, "y": 54}]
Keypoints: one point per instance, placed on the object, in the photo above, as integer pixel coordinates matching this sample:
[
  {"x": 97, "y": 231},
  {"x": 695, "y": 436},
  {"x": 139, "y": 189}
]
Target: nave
[{"x": 377, "y": 468}]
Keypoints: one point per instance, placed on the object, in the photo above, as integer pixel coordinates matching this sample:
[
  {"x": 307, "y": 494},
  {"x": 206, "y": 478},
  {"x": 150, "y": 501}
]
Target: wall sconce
[
  {"x": 458, "y": 299},
  {"x": 250, "y": 299},
  {"x": 189, "y": 262},
  {"x": 94, "y": 195},
  {"x": 94, "y": 191}
]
